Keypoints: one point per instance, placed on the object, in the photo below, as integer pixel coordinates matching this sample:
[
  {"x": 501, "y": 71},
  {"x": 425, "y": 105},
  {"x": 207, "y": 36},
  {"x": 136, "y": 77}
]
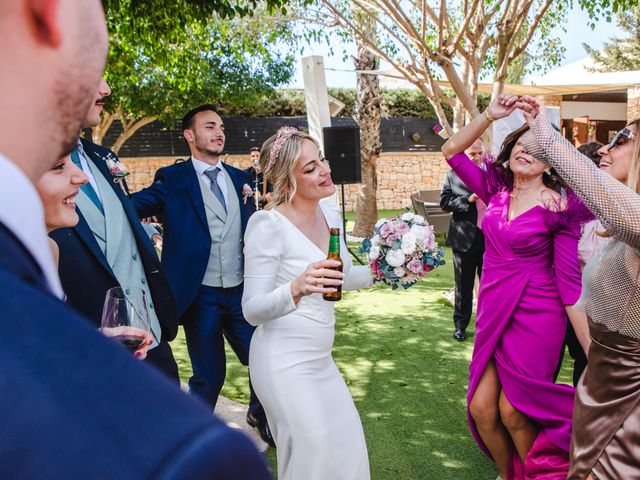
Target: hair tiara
[{"x": 284, "y": 134}]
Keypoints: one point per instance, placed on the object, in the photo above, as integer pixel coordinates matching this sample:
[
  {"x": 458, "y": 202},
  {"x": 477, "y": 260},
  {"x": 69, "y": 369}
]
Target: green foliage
[
  {"x": 620, "y": 54},
  {"x": 155, "y": 9},
  {"x": 395, "y": 103},
  {"x": 176, "y": 56},
  {"x": 599, "y": 10}
]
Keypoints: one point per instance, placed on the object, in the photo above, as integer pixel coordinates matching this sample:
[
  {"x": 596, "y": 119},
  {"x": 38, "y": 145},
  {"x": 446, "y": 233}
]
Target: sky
[{"x": 339, "y": 73}]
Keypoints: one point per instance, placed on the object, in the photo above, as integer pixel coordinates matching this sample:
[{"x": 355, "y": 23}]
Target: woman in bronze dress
[{"x": 606, "y": 421}]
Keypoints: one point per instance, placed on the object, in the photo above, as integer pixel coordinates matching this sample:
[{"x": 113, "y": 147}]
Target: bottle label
[{"x": 334, "y": 244}]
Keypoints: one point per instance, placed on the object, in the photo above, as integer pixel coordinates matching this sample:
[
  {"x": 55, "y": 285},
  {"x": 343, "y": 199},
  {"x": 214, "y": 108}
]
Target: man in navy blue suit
[
  {"x": 204, "y": 217},
  {"x": 73, "y": 404},
  {"x": 109, "y": 248}
]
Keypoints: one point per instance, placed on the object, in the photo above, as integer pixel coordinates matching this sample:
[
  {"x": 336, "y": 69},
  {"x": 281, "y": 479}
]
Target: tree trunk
[
  {"x": 129, "y": 128},
  {"x": 367, "y": 114},
  {"x": 99, "y": 131}
]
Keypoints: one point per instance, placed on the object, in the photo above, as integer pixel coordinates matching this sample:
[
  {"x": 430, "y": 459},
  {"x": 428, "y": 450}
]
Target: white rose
[
  {"x": 395, "y": 258},
  {"x": 374, "y": 252},
  {"x": 399, "y": 271},
  {"x": 408, "y": 247},
  {"x": 407, "y": 216},
  {"x": 419, "y": 232},
  {"x": 375, "y": 240},
  {"x": 380, "y": 222},
  {"x": 418, "y": 219}
]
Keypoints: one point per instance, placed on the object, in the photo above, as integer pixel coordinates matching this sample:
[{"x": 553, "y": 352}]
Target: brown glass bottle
[{"x": 334, "y": 254}]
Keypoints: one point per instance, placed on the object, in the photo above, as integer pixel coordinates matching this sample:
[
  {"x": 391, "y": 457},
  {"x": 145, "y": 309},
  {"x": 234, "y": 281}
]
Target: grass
[{"x": 408, "y": 378}]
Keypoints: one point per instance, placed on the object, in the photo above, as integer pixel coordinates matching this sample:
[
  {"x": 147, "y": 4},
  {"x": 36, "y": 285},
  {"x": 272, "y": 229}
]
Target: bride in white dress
[{"x": 313, "y": 419}]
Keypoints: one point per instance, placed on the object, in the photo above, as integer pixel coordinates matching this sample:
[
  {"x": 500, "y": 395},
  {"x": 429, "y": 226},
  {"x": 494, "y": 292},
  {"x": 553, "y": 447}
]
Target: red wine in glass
[{"x": 125, "y": 317}]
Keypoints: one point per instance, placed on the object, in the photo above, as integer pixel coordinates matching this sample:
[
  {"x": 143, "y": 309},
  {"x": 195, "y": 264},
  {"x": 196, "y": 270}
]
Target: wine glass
[{"x": 125, "y": 316}]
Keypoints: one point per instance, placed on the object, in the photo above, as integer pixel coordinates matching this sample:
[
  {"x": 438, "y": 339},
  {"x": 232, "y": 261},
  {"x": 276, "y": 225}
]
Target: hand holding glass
[{"x": 125, "y": 318}]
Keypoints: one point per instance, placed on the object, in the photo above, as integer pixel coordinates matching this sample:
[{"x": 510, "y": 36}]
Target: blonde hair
[
  {"x": 633, "y": 178},
  {"x": 281, "y": 171}
]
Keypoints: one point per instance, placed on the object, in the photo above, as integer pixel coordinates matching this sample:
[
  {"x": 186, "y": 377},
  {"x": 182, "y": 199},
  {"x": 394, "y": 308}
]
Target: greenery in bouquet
[{"x": 402, "y": 250}]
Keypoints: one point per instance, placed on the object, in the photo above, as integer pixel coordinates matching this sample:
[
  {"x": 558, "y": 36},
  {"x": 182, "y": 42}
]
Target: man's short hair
[
  {"x": 187, "y": 120},
  {"x": 254, "y": 149}
]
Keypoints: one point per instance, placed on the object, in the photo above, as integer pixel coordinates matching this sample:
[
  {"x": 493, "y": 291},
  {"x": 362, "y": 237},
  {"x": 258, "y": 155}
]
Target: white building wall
[{"x": 595, "y": 110}]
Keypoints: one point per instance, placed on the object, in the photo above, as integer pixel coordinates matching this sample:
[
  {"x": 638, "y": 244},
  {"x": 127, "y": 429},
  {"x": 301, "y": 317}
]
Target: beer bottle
[{"x": 334, "y": 254}]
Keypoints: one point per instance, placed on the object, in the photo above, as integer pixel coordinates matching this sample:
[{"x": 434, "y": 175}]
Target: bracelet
[{"x": 488, "y": 115}]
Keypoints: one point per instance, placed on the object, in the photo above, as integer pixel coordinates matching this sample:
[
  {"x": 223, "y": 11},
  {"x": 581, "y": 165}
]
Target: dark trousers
[
  {"x": 576, "y": 352},
  {"x": 215, "y": 314},
  {"x": 161, "y": 357},
  {"x": 465, "y": 267}
]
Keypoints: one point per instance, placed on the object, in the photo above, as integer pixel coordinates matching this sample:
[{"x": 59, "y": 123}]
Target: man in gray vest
[
  {"x": 204, "y": 217},
  {"x": 110, "y": 248}
]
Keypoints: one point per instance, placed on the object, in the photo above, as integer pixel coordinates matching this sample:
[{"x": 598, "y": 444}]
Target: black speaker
[{"x": 342, "y": 149}]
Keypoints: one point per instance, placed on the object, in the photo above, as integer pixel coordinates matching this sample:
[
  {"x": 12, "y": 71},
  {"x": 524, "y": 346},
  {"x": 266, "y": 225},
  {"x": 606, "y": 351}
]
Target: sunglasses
[{"x": 621, "y": 138}]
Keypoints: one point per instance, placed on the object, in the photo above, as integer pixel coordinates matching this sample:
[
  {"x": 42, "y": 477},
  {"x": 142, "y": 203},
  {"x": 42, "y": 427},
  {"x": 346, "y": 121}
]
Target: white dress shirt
[
  {"x": 201, "y": 167},
  {"x": 84, "y": 161},
  {"x": 21, "y": 212}
]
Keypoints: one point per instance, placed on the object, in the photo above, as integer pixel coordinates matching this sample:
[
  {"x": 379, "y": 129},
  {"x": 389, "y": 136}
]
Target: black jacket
[{"x": 463, "y": 227}]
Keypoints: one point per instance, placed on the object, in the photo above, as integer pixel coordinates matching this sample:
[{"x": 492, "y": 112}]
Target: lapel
[
  {"x": 101, "y": 165},
  {"x": 84, "y": 232},
  {"x": 237, "y": 180},
  {"x": 190, "y": 178}
]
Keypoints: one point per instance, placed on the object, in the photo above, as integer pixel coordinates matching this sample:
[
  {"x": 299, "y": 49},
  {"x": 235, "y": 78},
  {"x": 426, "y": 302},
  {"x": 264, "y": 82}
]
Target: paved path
[{"x": 235, "y": 414}]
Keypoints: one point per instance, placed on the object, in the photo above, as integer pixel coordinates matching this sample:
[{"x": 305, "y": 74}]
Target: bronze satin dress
[{"x": 606, "y": 419}]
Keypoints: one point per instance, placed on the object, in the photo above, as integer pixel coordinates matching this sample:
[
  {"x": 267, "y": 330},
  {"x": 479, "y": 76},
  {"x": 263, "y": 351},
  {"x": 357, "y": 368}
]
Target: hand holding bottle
[{"x": 319, "y": 277}]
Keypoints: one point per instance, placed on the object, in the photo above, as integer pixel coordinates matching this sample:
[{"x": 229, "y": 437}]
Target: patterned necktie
[
  {"x": 87, "y": 188},
  {"x": 215, "y": 188}
]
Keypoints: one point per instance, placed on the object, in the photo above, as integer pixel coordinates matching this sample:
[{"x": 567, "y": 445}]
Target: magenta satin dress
[{"x": 530, "y": 274}]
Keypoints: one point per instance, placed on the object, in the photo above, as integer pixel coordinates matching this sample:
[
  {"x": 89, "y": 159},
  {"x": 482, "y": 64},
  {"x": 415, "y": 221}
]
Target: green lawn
[{"x": 408, "y": 378}]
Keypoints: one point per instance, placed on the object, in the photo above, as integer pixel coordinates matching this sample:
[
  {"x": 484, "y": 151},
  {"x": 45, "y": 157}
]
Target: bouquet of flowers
[{"x": 402, "y": 250}]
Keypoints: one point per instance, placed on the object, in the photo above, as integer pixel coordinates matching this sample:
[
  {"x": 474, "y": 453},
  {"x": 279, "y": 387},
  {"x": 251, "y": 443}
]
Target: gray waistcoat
[
  {"x": 115, "y": 237},
  {"x": 225, "y": 267}
]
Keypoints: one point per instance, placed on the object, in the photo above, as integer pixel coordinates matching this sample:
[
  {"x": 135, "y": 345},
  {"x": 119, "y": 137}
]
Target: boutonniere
[
  {"x": 247, "y": 192},
  {"x": 116, "y": 168}
]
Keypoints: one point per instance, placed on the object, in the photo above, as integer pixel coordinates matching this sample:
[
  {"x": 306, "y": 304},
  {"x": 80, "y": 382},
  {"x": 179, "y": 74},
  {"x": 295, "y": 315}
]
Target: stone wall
[
  {"x": 633, "y": 103},
  {"x": 399, "y": 175}
]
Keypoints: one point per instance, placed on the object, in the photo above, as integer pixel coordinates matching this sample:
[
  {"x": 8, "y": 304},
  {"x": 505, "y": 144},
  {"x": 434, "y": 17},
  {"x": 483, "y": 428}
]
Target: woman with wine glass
[
  {"x": 314, "y": 421},
  {"x": 58, "y": 189}
]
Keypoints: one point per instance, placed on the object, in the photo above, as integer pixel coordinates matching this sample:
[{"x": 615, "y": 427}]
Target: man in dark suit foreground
[
  {"x": 465, "y": 239},
  {"x": 72, "y": 403}
]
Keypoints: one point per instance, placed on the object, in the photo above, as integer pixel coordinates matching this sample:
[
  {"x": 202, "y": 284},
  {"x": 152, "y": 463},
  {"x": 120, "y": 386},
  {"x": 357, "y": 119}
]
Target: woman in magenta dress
[{"x": 530, "y": 280}]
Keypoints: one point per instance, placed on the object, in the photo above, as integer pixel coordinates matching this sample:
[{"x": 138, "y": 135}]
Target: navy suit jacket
[
  {"x": 75, "y": 405},
  {"x": 85, "y": 272},
  {"x": 186, "y": 242}
]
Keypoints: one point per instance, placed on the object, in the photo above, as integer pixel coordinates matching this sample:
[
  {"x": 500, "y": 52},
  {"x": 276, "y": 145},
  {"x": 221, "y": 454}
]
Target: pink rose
[
  {"x": 402, "y": 229},
  {"x": 386, "y": 229},
  {"x": 392, "y": 238},
  {"x": 375, "y": 267},
  {"x": 415, "y": 265},
  {"x": 429, "y": 241}
]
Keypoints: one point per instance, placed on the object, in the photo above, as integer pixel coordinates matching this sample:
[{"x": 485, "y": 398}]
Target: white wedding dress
[{"x": 310, "y": 411}]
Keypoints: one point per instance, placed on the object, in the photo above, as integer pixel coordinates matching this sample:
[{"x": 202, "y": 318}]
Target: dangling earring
[
  {"x": 506, "y": 165},
  {"x": 548, "y": 172}
]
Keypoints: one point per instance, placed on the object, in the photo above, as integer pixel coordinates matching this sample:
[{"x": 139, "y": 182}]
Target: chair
[
  {"x": 439, "y": 222},
  {"x": 418, "y": 205},
  {"x": 430, "y": 196}
]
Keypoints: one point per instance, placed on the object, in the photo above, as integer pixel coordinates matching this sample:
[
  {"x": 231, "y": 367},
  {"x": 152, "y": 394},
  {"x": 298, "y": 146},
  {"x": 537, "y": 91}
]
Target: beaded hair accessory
[{"x": 284, "y": 134}]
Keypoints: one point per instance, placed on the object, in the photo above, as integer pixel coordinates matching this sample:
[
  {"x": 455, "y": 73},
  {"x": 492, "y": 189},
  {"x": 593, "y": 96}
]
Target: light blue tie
[
  {"x": 87, "y": 188},
  {"x": 215, "y": 188}
]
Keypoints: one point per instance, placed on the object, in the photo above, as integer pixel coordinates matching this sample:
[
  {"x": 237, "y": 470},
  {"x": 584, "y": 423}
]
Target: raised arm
[
  {"x": 150, "y": 201},
  {"x": 613, "y": 203}
]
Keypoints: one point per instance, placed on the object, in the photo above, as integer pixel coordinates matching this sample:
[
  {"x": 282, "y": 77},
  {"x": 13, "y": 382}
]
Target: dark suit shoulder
[
  {"x": 238, "y": 171},
  {"x": 99, "y": 149}
]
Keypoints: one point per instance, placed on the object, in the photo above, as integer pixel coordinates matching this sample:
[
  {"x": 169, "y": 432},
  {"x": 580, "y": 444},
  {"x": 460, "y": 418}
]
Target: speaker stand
[{"x": 344, "y": 228}]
